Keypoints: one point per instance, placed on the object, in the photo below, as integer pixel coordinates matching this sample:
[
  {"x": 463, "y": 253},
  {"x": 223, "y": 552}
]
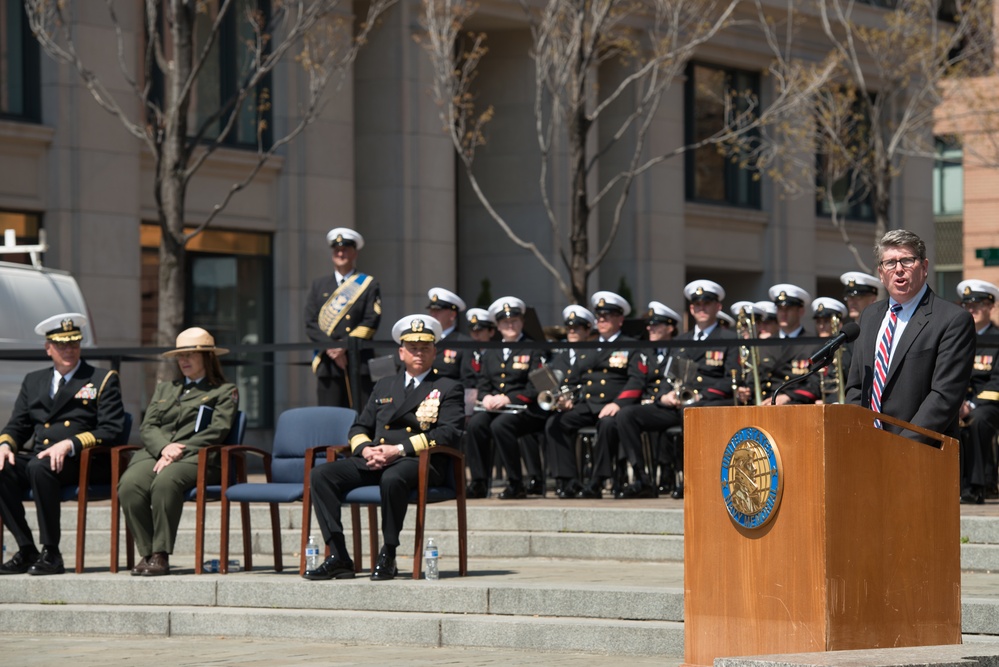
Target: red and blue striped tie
[{"x": 881, "y": 360}]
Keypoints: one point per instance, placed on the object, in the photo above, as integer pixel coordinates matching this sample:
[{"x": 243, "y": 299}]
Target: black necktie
[{"x": 410, "y": 386}]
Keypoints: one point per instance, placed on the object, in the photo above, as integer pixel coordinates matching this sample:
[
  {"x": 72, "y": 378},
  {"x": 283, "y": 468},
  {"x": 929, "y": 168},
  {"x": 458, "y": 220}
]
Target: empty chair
[{"x": 301, "y": 438}]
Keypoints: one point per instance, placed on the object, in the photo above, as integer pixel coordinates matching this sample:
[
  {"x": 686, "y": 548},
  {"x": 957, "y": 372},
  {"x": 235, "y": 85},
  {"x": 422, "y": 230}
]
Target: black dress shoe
[
  {"x": 513, "y": 491},
  {"x": 50, "y": 562},
  {"x": 19, "y": 562},
  {"x": 638, "y": 490},
  {"x": 385, "y": 568},
  {"x": 973, "y": 496},
  {"x": 476, "y": 489},
  {"x": 568, "y": 489},
  {"x": 332, "y": 568},
  {"x": 678, "y": 492},
  {"x": 589, "y": 491},
  {"x": 536, "y": 487}
]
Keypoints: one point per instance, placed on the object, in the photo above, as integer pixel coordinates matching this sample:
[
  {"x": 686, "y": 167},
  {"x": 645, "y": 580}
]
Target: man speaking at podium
[{"x": 915, "y": 351}]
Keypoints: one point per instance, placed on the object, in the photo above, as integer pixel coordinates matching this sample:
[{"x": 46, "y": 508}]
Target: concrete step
[
  {"x": 529, "y": 603},
  {"x": 541, "y": 529}
]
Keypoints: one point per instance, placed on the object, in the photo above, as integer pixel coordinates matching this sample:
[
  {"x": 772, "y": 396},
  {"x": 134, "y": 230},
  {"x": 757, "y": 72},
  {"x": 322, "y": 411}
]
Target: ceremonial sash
[{"x": 340, "y": 302}]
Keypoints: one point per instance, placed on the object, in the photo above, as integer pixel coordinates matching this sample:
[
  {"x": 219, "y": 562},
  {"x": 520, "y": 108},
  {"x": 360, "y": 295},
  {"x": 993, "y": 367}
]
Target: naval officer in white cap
[{"x": 342, "y": 304}]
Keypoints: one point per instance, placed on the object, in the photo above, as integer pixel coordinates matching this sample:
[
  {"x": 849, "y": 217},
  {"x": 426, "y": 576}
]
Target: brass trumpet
[
  {"x": 683, "y": 370},
  {"x": 832, "y": 381},
  {"x": 552, "y": 394},
  {"x": 557, "y": 400},
  {"x": 749, "y": 357}
]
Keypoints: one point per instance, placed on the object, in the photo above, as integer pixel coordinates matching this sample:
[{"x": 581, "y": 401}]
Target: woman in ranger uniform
[{"x": 184, "y": 415}]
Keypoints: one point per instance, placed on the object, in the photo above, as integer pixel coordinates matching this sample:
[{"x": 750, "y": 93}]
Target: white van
[{"x": 27, "y": 296}]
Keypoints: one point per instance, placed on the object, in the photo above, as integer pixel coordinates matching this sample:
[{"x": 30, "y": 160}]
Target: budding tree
[
  {"x": 571, "y": 41},
  {"x": 893, "y": 66},
  {"x": 180, "y": 130}
]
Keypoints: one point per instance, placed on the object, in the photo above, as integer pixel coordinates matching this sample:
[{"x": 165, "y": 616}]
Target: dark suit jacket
[
  {"x": 389, "y": 416},
  {"x": 360, "y": 321},
  {"x": 930, "y": 367},
  {"x": 87, "y": 410},
  {"x": 455, "y": 363},
  {"x": 509, "y": 377}
]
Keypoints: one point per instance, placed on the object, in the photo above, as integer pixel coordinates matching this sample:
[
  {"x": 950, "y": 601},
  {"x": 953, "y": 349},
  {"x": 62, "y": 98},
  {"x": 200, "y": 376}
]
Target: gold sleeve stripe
[
  {"x": 378, "y": 307},
  {"x": 87, "y": 439},
  {"x": 419, "y": 442},
  {"x": 315, "y": 362},
  {"x": 359, "y": 441},
  {"x": 367, "y": 333},
  {"x": 989, "y": 396},
  {"x": 8, "y": 440}
]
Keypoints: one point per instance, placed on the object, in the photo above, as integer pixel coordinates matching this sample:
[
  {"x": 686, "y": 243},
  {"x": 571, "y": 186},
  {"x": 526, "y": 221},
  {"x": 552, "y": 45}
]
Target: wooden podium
[{"x": 861, "y": 550}]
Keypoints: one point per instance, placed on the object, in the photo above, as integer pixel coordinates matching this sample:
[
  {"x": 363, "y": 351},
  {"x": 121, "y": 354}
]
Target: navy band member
[
  {"x": 503, "y": 384},
  {"x": 59, "y": 412},
  {"x": 711, "y": 383},
  {"x": 346, "y": 303},
  {"x": 793, "y": 360},
  {"x": 610, "y": 379},
  {"x": 445, "y": 306},
  {"x": 829, "y": 316},
  {"x": 859, "y": 291},
  {"x": 980, "y": 410},
  {"x": 407, "y": 413},
  {"x": 649, "y": 415},
  {"x": 191, "y": 412}
]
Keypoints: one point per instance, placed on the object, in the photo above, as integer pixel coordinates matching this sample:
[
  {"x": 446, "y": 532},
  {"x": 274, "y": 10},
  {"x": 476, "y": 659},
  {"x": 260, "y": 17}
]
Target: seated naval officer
[
  {"x": 980, "y": 410},
  {"x": 445, "y": 306},
  {"x": 859, "y": 291},
  {"x": 60, "y": 410},
  {"x": 792, "y": 359},
  {"x": 407, "y": 413},
  {"x": 505, "y": 386},
  {"x": 829, "y": 315},
  {"x": 609, "y": 379},
  {"x": 648, "y": 415}
]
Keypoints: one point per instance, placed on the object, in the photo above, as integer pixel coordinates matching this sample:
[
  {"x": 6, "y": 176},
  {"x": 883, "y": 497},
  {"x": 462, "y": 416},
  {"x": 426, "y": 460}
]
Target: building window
[
  {"x": 27, "y": 230},
  {"x": 712, "y": 175},
  {"x": 948, "y": 178},
  {"x": 226, "y": 69},
  {"x": 229, "y": 288},
  {"x": 19, "y": 65}
]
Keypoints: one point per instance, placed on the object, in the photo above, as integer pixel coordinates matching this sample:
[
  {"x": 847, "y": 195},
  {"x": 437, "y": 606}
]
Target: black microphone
[{"x": 847, "y": 334}]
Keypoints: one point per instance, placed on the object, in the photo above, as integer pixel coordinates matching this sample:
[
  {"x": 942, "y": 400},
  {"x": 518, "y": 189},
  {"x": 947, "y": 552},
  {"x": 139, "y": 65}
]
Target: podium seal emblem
[{"x": 752, "y": 479}]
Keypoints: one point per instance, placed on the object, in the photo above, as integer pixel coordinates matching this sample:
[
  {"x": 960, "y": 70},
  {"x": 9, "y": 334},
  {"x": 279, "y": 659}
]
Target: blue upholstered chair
[
  {"x": 91, "y": 485},
  {"x": 301, "y": 439},
  {"x": 452, "y": 489},
  {"x": 200, "y": 494}
]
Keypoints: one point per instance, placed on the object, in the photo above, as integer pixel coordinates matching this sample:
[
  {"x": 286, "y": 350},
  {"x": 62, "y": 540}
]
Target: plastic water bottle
[
  {"x": 210, "y": 566},
  {"x": 311, "y": 554},
  {"x": 234, "y": 566},
  {"x": 430, "y": 560}
]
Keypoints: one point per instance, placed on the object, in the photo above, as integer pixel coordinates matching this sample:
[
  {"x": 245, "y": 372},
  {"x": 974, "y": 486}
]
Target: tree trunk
[{"x": 579, "y": 127}]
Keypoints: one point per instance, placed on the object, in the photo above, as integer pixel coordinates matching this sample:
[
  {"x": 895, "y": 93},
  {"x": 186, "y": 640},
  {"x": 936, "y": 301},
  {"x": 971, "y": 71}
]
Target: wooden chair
[
  {"x": 452, "y": 489},
  {"x": 301, "y": 439},
  {"x": 200, "y": 495},
  {"x": 93, "y": 460}
]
